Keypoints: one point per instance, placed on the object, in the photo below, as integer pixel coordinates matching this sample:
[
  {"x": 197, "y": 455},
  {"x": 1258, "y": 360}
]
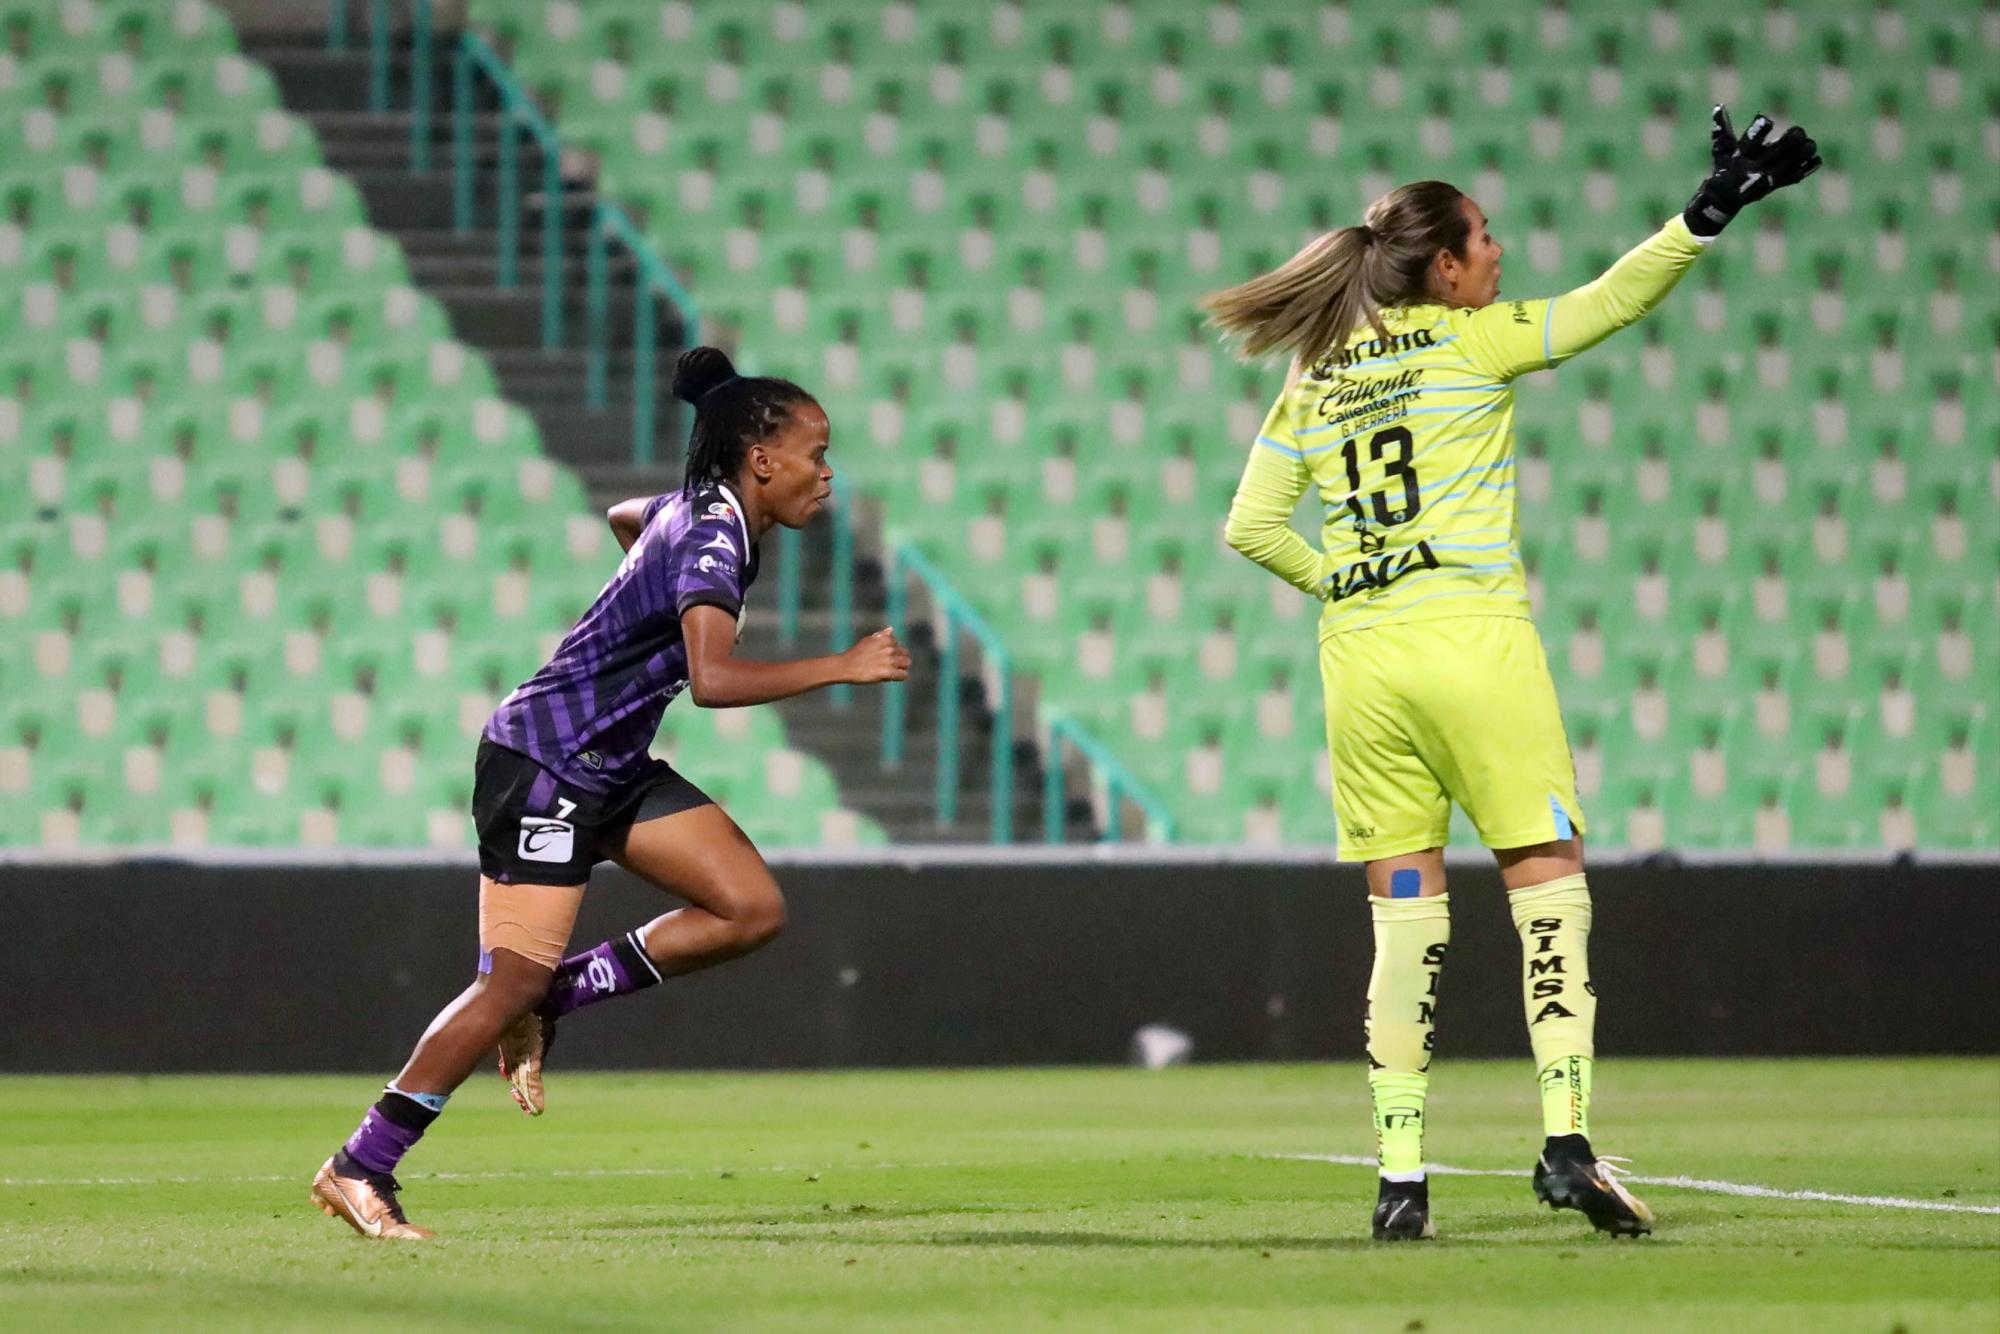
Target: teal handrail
[
  {"x": 608, "y": 223},
  {"x": 378, "y": 56},
  {"x": 518, "y": 115},
  {"x": 840, "y": 623},
  {"x": 643, "y": 361},
  {"x": 791, "y": 552},
  {"x": 379, "y": 24},
  {"x": 1108, "y": 773},
  {"x": 461, "y": 138},
  {"x": 472, "y": 60},
  {"x": 420, "y": 86},
  {"x": 956, "y": 616},
  {"x": 654, "y": 276},
  {"x": 422, "y": 29},
  {"x": 507, "y": 202},
  {"x": 596, "y": 311}
]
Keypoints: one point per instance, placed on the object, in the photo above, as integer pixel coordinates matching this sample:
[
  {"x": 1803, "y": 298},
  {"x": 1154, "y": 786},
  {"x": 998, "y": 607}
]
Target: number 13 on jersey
[{"x": 1401, "y": 475}]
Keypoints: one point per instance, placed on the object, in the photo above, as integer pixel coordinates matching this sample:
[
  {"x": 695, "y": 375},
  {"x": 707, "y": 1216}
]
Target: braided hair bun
[
  {"x": 700, "y": 371},
  {"x": 731, "y": 412}
]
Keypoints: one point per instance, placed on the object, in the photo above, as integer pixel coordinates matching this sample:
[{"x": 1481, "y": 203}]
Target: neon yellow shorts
[{"x": 1424, "y": 714}]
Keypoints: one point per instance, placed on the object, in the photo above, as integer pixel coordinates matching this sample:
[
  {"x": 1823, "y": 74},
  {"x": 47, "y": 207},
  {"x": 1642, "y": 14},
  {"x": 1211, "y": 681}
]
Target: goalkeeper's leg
[
  {"x": 1550, "y": 903},
  {"x": 1412, "y": 931}
]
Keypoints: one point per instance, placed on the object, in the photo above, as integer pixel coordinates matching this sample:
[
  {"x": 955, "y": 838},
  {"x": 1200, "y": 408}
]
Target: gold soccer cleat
[
  {"x": 523, "y": 1047},
  {"x": 366, "y": 1200}
]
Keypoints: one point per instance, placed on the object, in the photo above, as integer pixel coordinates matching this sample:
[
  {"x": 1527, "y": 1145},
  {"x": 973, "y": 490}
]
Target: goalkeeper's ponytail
[{"x": 1312, "y": 303}]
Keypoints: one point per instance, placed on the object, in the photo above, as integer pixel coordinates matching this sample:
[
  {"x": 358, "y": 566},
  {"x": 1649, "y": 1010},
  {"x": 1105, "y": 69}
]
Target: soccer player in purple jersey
[{"x": 564, "y": 780}]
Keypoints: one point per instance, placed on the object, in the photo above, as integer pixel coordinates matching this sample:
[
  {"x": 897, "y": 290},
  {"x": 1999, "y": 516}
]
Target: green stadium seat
[
  {"x": 170, "y": 235},
  {"x": 1042, "y": 197}
]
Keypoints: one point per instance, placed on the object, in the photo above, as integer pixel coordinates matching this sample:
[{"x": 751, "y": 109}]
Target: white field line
[
  {"x": 949, "y": 856},
  {"x": 1704, "y": 1184},
  {"x": 560, "y": 1172},
  {"x": 1712, "y": 1187}
]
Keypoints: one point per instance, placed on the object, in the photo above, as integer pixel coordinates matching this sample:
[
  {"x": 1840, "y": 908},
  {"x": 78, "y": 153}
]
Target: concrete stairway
[{"x": 462, "y": 270}]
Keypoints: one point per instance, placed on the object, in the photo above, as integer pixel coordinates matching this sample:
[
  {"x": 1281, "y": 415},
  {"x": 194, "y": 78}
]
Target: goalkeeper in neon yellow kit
[{"x": 1400, "y": 409}]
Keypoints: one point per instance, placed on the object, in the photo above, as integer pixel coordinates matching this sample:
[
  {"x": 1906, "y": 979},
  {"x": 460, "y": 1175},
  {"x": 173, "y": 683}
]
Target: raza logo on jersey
[{"x": 1372, "y": 576}]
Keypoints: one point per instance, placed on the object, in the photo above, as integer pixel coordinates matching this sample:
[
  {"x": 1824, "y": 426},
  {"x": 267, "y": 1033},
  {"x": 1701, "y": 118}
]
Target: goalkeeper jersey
[{"x": 1410, "y": 440}]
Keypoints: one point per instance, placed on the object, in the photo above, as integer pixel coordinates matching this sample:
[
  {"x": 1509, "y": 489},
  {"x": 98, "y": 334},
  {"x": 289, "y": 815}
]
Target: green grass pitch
[{"x": 1010, "y": 1199}]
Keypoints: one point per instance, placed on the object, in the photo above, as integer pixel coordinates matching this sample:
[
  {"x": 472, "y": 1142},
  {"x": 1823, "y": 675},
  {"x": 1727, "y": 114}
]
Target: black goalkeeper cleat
[
  {"x": 1570, "y": 1176},
  {"x": 1403, "y": 1212}
]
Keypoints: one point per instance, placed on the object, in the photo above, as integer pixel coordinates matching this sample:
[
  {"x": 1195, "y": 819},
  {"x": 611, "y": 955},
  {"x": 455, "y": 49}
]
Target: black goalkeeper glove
[{"x": 1744, "y": 170}]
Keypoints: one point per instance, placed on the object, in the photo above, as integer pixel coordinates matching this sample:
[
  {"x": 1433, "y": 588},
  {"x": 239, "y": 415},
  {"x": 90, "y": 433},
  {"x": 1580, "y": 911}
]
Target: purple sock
[
  {"x": 391, "y": 1129},
  {"x": 612, "y": 969}
]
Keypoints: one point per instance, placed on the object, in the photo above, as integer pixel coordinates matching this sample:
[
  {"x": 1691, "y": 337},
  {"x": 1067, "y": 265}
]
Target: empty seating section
[
  {"x": 1761, "y": 526},
  {"x": 270, "y": 546}
]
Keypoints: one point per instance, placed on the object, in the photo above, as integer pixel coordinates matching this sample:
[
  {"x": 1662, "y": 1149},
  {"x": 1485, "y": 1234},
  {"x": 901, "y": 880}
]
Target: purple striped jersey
[{"x": 590, "y": 714}]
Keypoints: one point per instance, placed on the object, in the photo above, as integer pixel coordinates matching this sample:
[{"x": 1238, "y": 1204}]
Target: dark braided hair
[{"x": 731, "y": 412}]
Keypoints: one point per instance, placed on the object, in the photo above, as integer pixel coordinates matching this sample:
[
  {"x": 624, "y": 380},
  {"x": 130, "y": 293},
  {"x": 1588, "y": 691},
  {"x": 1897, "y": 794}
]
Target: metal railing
[
  {"x": 953, "y": 617},
  {"x": 840, "y": 580},
  {"x": 475, "y": 64},
  {"x": 609, "y": 223},
  {"x": 840, "y": 620},
  {"x": 381, "y": 23},
  {"x": 518, "y": 115},
  {"x": 1112, "y": 785}
]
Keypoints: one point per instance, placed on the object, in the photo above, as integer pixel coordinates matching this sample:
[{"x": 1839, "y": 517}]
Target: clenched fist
[{"x": 879, "y": 657}]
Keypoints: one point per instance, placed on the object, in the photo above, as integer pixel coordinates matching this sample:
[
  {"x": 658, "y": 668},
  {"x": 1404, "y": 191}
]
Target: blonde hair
[{"x": 1311, "y": 304}]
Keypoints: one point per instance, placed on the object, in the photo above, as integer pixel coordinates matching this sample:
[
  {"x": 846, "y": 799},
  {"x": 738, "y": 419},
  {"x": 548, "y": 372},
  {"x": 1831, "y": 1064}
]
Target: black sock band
[
  {"x": 399, "y": 1109},
  {"x": 637, "y": 966}
]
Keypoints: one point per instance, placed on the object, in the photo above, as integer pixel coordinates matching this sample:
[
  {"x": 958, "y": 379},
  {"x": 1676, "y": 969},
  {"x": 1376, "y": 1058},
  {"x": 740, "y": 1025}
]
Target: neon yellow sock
[
  {"x": 1399, "y": 1122},
  {"x": 1554, "y": 921},
  {"x": 1411, "y": 936}
]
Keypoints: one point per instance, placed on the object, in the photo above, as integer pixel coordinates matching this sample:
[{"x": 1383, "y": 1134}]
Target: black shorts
[{"x": 535, "y": 829}]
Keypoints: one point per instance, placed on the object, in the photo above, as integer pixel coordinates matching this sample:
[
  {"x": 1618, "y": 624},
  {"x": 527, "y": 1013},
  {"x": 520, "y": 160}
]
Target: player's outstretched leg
[
  {"x": 698, "y": 854},
  {"x": 1412, "y": 931},
  {"x": 522, "y": 932},
  {"x": 1553, "y": 918}
]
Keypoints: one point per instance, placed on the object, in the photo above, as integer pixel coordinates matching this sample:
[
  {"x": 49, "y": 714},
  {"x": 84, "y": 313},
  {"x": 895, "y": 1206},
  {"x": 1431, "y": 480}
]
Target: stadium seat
[
  {"x": 269, "y": 542},
  {"x": 1039, "y": 243}
]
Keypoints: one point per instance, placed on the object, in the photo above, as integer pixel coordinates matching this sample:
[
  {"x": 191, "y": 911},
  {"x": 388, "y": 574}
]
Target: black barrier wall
[{"x": 173, "y": 967}]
